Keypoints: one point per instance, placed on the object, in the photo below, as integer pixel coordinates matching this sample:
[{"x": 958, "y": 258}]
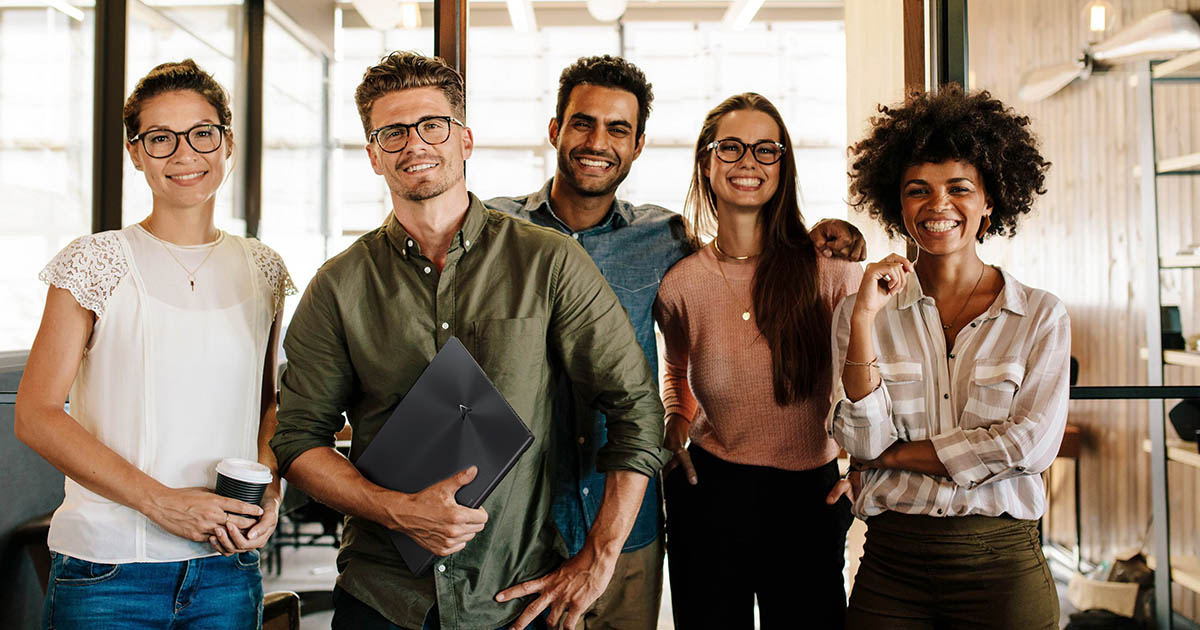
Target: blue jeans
[{"x": 214, "y": 592}]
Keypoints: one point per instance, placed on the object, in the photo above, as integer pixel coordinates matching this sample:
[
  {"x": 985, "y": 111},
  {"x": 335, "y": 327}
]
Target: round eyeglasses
[
  {"x": 162, "y": 143},
  {"x": 730, "y": 150},
  {"x": 431, "y": 130}
]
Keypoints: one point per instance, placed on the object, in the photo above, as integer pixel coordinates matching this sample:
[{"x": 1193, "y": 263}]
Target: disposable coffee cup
[{"x": 243, "y": 480}]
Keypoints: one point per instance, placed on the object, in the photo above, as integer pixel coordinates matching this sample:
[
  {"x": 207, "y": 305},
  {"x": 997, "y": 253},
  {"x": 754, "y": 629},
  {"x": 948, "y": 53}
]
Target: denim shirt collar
[{"x": 619, "y": 215}]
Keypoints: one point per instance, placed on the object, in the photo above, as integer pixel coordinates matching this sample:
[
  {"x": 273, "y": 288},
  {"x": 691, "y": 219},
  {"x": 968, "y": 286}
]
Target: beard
[
  {"x": 593, "y": 187},
  {"x": 434, "y": 187}
]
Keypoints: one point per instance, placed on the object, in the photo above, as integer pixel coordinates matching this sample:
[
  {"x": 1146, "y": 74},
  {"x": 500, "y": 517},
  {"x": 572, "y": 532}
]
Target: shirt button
[
  {"x": 1020, "y": 469},
  {"x": 939, "y": 512},
  {"x": 972, "y": 324},
  {"x": 582, "y": 440},
  {"x": 428, "y": 269},
  {"x": 575, "y": 236},
  {"x": 445, "y": 325},
  {"x": 951, "y": 355},
  {"x": 946, "y": 396},
  {"x": 410, "y": 243},
  {"x": 441, "y": 568},
  {"x": 466, "y": 243},
  {"x": 585, "y": 492}
]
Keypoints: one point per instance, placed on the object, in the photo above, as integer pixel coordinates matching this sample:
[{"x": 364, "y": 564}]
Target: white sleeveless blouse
[{"x": 171, "y": 378}]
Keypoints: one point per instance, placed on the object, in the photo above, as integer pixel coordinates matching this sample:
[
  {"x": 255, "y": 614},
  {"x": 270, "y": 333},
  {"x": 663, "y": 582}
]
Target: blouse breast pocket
[
  {"x": 904, "y": 380},
  {"x": 994, "y": 383}
]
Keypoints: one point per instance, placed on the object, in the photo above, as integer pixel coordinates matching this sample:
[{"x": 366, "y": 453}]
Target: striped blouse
[{"x": 994, "y": 406}]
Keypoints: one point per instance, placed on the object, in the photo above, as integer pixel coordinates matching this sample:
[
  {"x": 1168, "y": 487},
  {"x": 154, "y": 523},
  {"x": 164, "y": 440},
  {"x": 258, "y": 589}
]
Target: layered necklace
[{"x": 721, "y": 268}]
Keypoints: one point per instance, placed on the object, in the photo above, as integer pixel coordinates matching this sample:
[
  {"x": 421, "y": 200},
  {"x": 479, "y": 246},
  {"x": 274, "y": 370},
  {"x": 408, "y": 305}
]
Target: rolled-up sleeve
[
  {"x": 864, "y": 427},
  {"x": 1027, "y": 442},
  {"x": 601, "y": 355},
  {"x": 317, "y": 380}
]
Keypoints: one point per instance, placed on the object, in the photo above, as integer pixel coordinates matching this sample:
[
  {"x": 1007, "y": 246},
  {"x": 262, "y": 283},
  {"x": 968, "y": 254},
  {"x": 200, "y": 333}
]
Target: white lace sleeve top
[{"x": 171, "y": 378}]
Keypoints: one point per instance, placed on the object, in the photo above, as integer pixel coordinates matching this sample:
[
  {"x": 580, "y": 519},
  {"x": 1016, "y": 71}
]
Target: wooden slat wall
[{"x": 1084, "y": 243}]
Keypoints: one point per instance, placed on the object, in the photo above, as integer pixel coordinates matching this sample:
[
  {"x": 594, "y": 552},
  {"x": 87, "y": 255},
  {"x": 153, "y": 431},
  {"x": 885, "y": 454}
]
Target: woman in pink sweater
[{"x": 746, "y": 323}]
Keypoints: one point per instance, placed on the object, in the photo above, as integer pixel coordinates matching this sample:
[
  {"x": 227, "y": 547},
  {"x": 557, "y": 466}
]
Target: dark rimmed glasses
[
  {"x": 431, "y": 129},
  {"x": 730, "y": 150},
  {"x": 162, "y": 143}
]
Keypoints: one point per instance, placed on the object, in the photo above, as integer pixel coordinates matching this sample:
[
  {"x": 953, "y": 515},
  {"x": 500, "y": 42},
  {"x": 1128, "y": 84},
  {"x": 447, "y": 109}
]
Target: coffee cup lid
[{"x": 245, "y": 470}]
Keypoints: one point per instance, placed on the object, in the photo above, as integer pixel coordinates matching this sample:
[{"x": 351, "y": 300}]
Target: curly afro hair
[{"x": 949, "y": 125}]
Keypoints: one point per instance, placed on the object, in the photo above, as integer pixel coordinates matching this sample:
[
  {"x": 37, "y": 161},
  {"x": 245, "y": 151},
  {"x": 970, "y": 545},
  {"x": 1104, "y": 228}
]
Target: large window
[
  {"x": 512, "y": 83},
  {"x": 294, "y": 208},
  {"x": 45, "y": 153}
]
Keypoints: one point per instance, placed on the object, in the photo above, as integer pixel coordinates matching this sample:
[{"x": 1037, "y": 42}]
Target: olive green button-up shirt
[{"x": 530, "y": 305}]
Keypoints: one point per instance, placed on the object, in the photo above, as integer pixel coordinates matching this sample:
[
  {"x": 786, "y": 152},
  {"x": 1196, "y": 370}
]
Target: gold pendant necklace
[
  {"x": 191, "y": 275},
  {"x": 721, "y": 268},
  {"x": 964, "y": 306}
]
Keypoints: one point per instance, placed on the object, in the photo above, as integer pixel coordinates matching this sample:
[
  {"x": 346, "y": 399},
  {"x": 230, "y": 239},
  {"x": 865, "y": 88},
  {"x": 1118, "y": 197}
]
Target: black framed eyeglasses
[
  {"x": 730, "y": 150},
  {"x": 162, "y": 143},
  {"x": 431, "y": 129}
]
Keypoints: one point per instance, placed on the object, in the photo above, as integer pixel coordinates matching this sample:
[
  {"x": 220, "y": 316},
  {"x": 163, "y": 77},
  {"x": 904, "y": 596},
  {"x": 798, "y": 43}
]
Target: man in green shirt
[{"x": 530, "y": 306}]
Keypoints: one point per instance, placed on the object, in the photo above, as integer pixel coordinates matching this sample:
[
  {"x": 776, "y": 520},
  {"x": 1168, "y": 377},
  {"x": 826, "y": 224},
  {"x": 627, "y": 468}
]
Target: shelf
[
  {"x": 1180, "y": 165},
  {"x": 1185, "y": 571},
  {"x": 1181, "y": 357},
  {"x": 1182, "y": 67},
  {"x": 1180, "y": 262},
  {"x": 1179, "y": 451}
]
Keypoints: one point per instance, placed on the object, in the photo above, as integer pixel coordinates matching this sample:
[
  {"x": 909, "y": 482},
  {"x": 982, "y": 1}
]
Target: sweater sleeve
[{"x": 670, "y": 314}]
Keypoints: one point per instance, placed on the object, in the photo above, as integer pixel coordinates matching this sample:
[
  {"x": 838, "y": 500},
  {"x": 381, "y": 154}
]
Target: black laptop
[{"x": 452, "y": 418}]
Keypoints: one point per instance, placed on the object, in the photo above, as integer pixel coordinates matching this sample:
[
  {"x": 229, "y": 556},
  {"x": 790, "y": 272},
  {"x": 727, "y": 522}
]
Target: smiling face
[
  {"x": 186, "y": 179},
  {"x": 745, "y": 184},
  {"x": 943, "y": 205},
  {"x": 597, "y": 141},
  {"x": 419, "y": 171}
]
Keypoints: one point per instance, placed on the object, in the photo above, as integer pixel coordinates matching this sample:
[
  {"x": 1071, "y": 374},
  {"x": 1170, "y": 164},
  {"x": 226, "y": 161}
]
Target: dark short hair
[
  {"x": 174, "y": 77},
  {"x": 951, "y": 124},
  {"x": 406, "y": 70},
  {"x": 610, "y": 72}
]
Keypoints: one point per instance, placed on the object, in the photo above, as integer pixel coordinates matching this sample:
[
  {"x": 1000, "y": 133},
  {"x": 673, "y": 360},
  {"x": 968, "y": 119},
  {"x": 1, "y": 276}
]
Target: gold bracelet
[{"x": 872, "y": 363}]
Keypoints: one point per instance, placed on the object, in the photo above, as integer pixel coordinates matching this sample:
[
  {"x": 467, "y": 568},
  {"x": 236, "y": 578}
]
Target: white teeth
[
  {"x": 189, "y": 176},
  {"x": 419, "y": 167},
  {"x": 593, "y": 163},
  {"x": 748, "y": 182},
  {"x": 939, "y": 226}
]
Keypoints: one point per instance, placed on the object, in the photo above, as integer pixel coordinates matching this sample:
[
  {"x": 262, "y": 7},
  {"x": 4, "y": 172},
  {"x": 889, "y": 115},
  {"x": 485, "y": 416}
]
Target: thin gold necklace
[
  {"x": 964, "y": 306},
  {"x": 721, "y": 268},
  {"x": 191, "y": 274}
]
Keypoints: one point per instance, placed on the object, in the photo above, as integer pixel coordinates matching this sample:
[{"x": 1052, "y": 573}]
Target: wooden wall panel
[{"x": 1084, "y": 243}]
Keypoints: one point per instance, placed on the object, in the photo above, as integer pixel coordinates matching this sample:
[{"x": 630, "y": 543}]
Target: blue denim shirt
[{"x": 633, "y": 246}]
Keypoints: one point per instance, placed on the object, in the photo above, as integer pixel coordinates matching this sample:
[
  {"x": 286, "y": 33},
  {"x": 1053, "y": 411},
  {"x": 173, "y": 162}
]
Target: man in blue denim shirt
[{"x": 599, "y": 130}]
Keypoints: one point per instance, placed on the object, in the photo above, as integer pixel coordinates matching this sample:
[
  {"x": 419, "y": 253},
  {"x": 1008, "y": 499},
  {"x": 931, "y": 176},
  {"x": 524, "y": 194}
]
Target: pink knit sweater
[{"x": 720, "y": 363}]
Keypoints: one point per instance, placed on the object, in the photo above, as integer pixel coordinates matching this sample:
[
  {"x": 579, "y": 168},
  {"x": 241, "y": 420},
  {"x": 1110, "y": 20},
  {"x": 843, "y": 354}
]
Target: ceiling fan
[{"x": 1155, "y": 35}]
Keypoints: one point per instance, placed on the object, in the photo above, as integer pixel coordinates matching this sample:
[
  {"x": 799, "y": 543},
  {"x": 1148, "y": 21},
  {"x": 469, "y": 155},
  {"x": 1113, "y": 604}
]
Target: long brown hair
[{"x": 787, "y": 303}]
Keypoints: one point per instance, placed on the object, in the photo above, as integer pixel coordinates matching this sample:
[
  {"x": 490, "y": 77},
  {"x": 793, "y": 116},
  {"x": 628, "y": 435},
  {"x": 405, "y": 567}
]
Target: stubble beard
[{"x": 591, "y": 188}]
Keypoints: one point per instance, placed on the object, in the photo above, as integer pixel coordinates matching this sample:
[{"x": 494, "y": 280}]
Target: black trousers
[{"x": 746, "y": 531}]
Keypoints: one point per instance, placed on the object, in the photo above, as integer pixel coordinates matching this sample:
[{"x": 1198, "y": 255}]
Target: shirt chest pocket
[
  {"x": 904, "y": 380},
  {"x": 994, "y": 383},
  {"x": 512, "y": 352},
  {"x": 632, "y": 284}
]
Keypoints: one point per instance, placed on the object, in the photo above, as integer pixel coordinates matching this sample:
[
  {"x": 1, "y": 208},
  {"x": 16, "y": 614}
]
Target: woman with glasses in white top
[
  {"x": 951, "y": 377},
  {"x": 164, "y": 334}
]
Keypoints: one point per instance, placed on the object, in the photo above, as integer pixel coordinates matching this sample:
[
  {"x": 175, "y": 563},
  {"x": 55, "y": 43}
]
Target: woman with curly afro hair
[{"x": 951, "y": 377}]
